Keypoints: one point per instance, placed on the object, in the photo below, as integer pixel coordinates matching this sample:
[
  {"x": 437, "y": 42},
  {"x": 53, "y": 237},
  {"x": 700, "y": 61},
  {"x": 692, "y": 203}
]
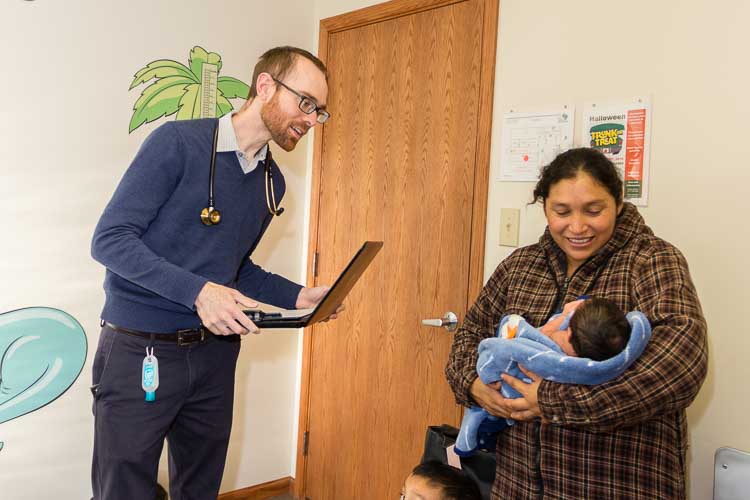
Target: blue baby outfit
[{"x": 539, "y": 354}]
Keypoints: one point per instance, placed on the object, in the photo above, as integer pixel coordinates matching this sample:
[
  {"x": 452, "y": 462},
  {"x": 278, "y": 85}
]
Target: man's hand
[
  {"x": 309, "y": 297},
  {"x": 220, "y": 310}
]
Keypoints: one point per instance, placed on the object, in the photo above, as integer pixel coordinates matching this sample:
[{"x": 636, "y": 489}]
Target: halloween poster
[{"x": 622, "y": 131}]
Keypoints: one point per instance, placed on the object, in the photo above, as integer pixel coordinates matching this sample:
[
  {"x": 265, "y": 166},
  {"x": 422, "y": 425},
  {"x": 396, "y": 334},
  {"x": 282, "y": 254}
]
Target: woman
[{"x": 626, "y": 438}]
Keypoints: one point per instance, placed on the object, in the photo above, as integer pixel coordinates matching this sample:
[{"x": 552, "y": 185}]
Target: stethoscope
[{"x": 210, "y": 216}]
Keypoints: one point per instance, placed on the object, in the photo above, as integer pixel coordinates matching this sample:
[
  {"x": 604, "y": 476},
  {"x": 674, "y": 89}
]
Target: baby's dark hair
[
  {"x": 454, "y": 483},
  {"x": 599, "y": 329}
]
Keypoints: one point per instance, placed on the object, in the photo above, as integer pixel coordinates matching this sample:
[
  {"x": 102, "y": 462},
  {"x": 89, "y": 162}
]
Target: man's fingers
[
  {"x": 243, "y": 324},
  {"x": 220, "y": 310},
  {"x": 244, "y": 301},
  {"x": 232, "y": 322}
]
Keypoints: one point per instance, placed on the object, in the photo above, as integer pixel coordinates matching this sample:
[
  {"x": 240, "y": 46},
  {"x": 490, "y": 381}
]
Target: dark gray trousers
[{"x": 193, "y": 411}]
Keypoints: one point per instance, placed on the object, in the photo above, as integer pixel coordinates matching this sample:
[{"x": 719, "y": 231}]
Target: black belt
[{"x": 182, "y": 337}]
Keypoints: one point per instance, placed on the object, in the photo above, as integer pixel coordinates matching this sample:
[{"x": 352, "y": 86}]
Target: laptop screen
[{"x": 346, "y": 281}]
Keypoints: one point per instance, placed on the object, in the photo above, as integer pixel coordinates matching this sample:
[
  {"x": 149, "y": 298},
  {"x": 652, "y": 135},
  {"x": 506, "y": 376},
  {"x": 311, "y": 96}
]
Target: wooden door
[{"x": 404, "y": 159}]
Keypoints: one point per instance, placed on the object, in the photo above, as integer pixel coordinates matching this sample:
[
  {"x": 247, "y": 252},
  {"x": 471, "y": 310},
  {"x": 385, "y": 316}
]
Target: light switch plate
[{"x": 509, "y": 222}]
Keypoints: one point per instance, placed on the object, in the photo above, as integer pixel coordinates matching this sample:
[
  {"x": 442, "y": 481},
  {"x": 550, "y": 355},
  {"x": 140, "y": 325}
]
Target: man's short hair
[{"x": 279, "y": 61}]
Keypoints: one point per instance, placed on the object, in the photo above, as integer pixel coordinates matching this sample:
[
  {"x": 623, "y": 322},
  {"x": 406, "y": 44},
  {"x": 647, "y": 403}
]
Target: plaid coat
[{"x": 626, "y": 438}]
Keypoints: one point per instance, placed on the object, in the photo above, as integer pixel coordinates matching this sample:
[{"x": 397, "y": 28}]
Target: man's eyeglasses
[{"x": 306, "y": 104}]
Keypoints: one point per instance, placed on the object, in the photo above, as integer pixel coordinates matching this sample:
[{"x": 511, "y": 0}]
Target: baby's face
[
  {"x": 562, "y": 338},
  {"x": 571, "y": 306},
  {"x": 419, "y": 488}
]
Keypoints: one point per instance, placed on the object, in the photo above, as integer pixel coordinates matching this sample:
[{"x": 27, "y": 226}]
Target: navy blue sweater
[{"x": 158, "y": 253}]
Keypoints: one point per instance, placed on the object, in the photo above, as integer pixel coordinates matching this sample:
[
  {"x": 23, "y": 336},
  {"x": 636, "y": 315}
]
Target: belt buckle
[{"x": 181, "y": 334}]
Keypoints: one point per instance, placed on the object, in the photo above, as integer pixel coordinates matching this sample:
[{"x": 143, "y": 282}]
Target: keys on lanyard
[{"x": 150, "y": 375}]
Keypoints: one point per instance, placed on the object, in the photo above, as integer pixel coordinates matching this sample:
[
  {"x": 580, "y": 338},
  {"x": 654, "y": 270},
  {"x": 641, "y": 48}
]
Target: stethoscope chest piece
[{"x": 210, "y": 216}]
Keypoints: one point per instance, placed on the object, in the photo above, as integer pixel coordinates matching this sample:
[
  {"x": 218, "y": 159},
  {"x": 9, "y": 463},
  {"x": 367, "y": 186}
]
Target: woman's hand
[
  {"x": 489, "y": 398},
  {"x": 527, "y": 406}
]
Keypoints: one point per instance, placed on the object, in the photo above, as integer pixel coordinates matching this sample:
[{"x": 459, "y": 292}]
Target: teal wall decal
[{"x": 42, "y": 351}]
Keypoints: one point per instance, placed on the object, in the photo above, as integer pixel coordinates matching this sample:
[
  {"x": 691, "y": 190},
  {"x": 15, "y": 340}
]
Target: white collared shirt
[{"x": 227, "y": 141}]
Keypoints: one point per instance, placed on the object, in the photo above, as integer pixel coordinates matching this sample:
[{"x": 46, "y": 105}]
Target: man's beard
[{"x": 277, "y": 125}]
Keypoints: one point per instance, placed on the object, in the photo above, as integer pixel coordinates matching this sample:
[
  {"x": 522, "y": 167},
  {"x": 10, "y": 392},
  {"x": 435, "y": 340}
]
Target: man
[{"x": 178, "y": 278}]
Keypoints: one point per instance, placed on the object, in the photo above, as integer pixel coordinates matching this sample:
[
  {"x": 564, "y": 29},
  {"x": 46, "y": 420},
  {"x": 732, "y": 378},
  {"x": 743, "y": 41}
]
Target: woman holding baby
[{"x": 626, "y": 438}]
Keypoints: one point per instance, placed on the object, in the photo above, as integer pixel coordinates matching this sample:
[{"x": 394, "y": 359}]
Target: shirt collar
[{"x": 227, "y": 141}]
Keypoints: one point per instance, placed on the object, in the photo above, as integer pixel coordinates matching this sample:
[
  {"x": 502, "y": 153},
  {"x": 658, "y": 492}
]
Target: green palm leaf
[
  {"x": 223, "y": 106},
  {"x": 231, "y": 87},
  {"x": 189, "y": 105},
  {"x": 198, "y": 56},
  {"x": 161, "y": 98},
  {"x": 161, "y": 69},
  {"x": 178, "y": 88},
  {"x": 215, "y": 58}
]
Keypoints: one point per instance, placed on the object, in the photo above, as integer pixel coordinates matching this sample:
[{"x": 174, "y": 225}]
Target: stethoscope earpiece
[{"x": 210, "y": 216}]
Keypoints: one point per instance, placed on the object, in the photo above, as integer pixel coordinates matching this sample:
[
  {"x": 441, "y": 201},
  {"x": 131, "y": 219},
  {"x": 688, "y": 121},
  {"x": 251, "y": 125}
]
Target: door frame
[{"x": 370, "y": 15}]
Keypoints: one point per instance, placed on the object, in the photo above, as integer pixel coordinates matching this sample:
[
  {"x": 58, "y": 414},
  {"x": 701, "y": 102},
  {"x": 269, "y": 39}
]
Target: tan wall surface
[{"x": 65, "y": 144}]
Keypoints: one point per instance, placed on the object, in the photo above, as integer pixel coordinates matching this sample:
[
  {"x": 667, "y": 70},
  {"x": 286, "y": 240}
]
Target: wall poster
[
  {"x": 622, "y": 131},
  {"x": 531, "y": 140}
]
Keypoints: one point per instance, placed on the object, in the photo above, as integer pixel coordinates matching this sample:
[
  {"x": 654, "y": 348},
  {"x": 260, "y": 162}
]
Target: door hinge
[
  {"x": 305, "y": 442},
  {"x": 315, "y": 265}
]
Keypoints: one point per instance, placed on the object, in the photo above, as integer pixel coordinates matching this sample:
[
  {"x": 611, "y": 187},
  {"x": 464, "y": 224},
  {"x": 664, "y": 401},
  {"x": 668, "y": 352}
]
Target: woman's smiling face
[{"x": 581, "y": 215}]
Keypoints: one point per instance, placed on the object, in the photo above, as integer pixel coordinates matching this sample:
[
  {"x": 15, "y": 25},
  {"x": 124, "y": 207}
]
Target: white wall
[
  {"x": 65, "y": 144},
  {"x": 691, "y": 57}
]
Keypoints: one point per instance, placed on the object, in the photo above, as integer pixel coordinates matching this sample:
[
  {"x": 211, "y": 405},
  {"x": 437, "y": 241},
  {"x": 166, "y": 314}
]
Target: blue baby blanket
[{"x": 539, "y": 354}]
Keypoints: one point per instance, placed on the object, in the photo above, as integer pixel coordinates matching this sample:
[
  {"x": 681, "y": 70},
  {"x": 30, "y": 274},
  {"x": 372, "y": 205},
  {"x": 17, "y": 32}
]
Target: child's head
[
  {"x": 437, "y": 481},
  {"x": 599, "y": 330}
]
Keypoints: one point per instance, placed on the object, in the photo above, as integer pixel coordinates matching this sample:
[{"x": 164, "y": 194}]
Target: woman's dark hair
[
  {"x": 567, "y": 165},
  {"x": 454, "y": 483},
  {"x": 599, "y": 329}
]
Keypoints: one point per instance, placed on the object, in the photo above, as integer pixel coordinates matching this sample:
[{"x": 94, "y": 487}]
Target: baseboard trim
[{"x": 260, "y": 491}]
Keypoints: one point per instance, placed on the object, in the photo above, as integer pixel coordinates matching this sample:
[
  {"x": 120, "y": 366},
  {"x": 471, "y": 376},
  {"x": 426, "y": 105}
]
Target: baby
[
  {"x": 438, "y": 481},
  {"x": 595, "y": 329},
  {"x": 598, "y": 330}
]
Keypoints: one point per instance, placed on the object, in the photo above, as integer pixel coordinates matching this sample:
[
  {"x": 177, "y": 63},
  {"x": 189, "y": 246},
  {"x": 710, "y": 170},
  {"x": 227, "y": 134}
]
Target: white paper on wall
[{"x": 531, "y": 140}]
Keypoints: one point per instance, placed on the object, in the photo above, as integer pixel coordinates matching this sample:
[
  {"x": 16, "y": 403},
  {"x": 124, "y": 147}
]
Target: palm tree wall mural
[{"x": 192, "y": 91}]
